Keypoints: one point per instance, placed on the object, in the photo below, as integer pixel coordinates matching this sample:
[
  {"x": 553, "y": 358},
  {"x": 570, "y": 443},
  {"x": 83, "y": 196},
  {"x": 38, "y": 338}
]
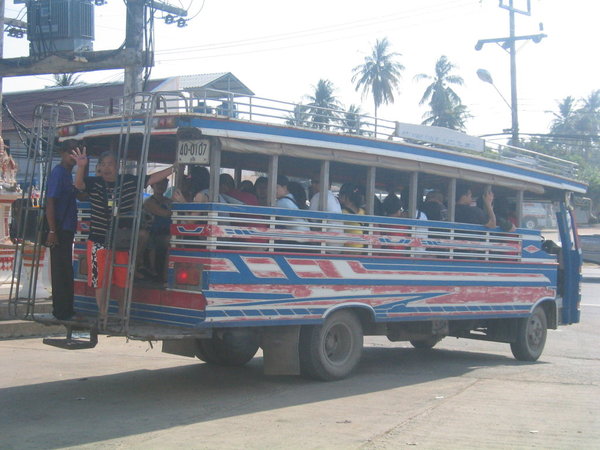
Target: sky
[{"x": 280, "y": 49}]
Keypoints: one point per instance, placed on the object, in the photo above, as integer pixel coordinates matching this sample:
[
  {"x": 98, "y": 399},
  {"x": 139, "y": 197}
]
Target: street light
[{"x": 486, "y": 77}]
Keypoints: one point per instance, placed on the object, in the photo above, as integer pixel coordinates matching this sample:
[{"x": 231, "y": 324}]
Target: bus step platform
[{"x": 71, "y": 343}]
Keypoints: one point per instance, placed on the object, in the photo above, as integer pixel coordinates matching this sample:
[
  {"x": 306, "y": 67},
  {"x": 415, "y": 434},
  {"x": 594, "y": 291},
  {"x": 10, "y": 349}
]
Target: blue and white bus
[{"x": 241, "y": 277}]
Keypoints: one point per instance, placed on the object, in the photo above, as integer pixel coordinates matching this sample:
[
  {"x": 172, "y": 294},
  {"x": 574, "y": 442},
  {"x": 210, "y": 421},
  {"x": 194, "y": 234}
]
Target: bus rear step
[{"x": 70, "y": 343}]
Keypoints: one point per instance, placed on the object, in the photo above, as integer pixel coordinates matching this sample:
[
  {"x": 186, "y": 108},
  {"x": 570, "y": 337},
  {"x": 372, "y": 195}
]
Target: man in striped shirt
[{"x": 110, "y": 195}]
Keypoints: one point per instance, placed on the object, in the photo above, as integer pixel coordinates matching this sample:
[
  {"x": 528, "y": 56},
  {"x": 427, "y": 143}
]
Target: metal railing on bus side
[{"x": 265, "y": 229}]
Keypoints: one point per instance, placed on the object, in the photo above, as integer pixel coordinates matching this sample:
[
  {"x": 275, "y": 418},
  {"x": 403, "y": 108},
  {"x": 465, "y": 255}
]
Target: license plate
[{"x": 195, "y": 151}]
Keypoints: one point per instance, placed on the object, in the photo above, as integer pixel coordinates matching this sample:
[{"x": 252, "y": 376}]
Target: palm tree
[
  {"x": 576, "y": 126},
  {"x": 66, "y": 79},
  {"x": 446, "y": 108},
  {"x": 588, "y": 116},
  {"x": 564, "y": 120},
  {"x": 352, "y": 120},
  {"x": 322, "y": 104},
  {"x": 379, "y": 74},
  {"x": 298, "y": 117}
]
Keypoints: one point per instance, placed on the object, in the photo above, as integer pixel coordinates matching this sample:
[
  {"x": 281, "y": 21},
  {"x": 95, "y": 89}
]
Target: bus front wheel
[
  {"x": 331, "y": 351},
  {"x": 531, "y": 336},
  {"x": 227, "y": 349}
]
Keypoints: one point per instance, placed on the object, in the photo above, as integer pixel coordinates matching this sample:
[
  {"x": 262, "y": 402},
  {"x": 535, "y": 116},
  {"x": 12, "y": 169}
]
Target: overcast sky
[{"x": 280, "y": 49}]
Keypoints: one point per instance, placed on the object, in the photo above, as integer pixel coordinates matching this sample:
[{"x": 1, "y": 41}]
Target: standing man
[
  {"x": 61, "y": 214},
  {"x": 111, "y": 195}
]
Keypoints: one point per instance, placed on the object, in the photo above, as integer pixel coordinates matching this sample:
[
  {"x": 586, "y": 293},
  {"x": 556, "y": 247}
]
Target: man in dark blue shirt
[
  {"x": 467, "y": 213},
  {"x": 61, "y": 213}
]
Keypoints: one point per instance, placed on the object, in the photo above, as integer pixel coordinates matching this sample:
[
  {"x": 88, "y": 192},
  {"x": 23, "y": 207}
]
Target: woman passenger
[{"x": 351, "y": 199}]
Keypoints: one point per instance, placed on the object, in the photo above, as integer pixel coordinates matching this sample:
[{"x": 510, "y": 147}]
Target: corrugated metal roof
[
  {"x": 23, "y": 103},
  {"x": 224, "y": 81}
]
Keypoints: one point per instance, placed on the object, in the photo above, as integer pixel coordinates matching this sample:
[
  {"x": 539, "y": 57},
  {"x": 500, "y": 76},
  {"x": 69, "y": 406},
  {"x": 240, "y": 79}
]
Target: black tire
[
  {"x": 228, "y": 348},
  {"x": 331, "y": 351},
  {"x": 425, "y": 344},
  {"x": 531, "y": 336}
]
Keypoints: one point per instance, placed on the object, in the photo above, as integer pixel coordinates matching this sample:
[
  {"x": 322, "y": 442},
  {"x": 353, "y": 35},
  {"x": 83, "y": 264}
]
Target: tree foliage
[
  {"x": 445, "y": 106},
  {"x": 574, "y": 137},
  {"x": 66, "y": 79},
  {"x": 323, "y": 105},
  {"x": 379, "y": 74}
]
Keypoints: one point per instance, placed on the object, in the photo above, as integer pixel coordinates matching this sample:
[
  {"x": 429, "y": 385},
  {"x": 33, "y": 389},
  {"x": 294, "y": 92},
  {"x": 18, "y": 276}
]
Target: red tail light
[{"x": 188, "y": 274}]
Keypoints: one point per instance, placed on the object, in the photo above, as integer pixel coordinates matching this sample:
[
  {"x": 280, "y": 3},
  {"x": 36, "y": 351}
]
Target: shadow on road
[{"x": 76, "y": 412}]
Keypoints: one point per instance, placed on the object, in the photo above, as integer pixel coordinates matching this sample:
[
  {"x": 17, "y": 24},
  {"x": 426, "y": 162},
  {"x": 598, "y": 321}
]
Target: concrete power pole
[
  {"x": 513, "y": 79},
  {"x": 508, "y": 44},
  {"x": 134, "y": 40}
]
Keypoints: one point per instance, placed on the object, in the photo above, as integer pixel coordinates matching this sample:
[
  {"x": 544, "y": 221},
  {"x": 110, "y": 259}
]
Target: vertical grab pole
[
  {"x": 520, "y": 208},
  {"x": 271, "y": 194},
  {"x": 215, "y": 169},
  {"x": 371, "y": 172},
  {"x": 323, "y": 194}
]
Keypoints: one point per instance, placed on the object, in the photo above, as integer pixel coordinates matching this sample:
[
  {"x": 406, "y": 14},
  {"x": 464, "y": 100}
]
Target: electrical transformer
[{"x": 56, "y": 26}]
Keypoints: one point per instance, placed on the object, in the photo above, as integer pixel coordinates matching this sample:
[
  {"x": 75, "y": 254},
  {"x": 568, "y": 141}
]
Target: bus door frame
[{"x": 571, "y": 261}]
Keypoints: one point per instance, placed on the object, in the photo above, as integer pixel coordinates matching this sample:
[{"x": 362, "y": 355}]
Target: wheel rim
[
  {"x": 337, "y": 344},
  {"x": 535, "y": 332}
]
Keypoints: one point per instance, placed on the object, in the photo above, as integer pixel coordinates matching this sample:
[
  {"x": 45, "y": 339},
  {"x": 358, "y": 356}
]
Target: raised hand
[{"x": 80, "y": 156}]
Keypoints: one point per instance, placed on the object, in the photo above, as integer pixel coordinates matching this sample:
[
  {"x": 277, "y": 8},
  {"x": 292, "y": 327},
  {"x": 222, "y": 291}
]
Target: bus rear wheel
[
  {"x": 228, "y": 348},
  {"x": 331, "y": 351},
  {"x": 531, "y": 336}
]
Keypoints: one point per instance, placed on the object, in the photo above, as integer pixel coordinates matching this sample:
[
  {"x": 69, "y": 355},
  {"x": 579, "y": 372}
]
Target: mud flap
[
  {"x": 181, "y": 347},
  {"x": 280, "y": 350}
]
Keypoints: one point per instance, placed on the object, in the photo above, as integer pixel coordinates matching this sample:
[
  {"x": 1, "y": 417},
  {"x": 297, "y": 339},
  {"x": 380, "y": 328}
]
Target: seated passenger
[
  {"x": 261, "y": 190},
  {"x": 392, "y": 207},
  {"x": 351, "y": 200},
  {"x": 333, "y": 204},
  {"x": 232, "y": 195},
  {"x": 286, "y": 200},
  {"x": 194, "y": 187},
  {"x": 466, "y": 213},
  {"x": 299, "y": 194},
  {"x": 434, "y": 207},
  {"x": 158, "y": 208},
  {"x": 247, "y": 186},
  {"x": 505, "y": 216}
]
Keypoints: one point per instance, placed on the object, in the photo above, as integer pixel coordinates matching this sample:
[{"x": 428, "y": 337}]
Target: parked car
[{"x": 590, "y": 248}]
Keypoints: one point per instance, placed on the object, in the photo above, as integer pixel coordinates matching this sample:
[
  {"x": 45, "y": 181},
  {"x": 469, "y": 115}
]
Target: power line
[{"x": 311, "y": 32}]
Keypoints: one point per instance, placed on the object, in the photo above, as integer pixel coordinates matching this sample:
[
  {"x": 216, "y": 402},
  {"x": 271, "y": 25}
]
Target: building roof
[
  {"x": 23, "y": 103},
  {"x": 224, "y": 81}
]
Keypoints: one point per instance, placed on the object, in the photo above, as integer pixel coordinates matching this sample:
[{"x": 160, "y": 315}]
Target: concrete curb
[
  {"x": 590, "y": 279},
  {"x": 12, "y": 329}
]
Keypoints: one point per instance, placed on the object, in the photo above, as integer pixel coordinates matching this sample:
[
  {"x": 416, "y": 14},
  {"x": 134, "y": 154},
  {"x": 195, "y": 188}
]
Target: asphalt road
[{"x": 463, "y": 394}]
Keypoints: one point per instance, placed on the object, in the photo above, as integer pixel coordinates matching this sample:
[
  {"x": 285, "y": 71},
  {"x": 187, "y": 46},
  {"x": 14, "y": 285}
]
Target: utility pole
[
  {"x": 508, "y": 44},
  {"x": 134, "y": 40},
  {"x": 133, "y": 58},
  {"x": 513, "y": 78}
]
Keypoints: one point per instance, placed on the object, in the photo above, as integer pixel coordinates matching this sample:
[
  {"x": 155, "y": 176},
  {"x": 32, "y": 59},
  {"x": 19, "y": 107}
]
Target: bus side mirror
[{"x": 551, "y": 247}]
